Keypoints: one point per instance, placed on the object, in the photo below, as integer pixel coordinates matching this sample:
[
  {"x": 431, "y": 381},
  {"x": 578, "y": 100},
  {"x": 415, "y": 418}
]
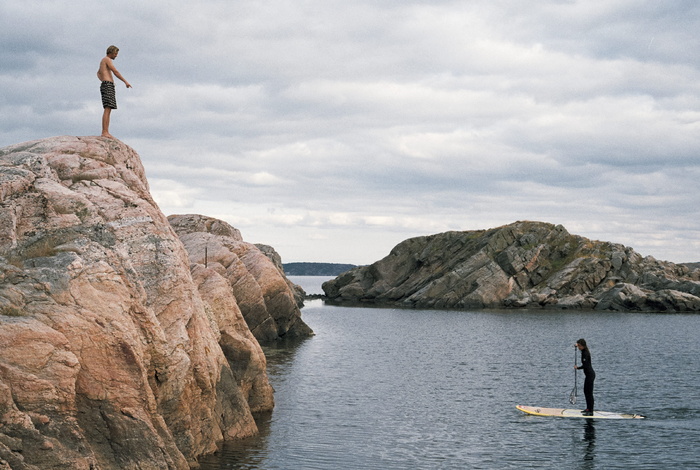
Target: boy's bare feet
[{"x": 108, "y": 135}]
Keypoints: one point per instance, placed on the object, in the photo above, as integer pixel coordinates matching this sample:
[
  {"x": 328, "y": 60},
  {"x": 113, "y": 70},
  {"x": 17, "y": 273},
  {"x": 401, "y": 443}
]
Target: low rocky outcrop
[
  {"x": 525, "y": 264},
  {"x": 117, "y": 352},
  {"x": 265, "y": 296}
]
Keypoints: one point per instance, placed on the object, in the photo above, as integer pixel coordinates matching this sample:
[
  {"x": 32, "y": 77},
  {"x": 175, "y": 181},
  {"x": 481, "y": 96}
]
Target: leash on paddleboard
[{"x": 574, "y": 392}]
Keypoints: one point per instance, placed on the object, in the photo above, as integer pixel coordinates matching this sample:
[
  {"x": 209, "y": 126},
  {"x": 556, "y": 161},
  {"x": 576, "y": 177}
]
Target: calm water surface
[{"x": 423, "y": 389}]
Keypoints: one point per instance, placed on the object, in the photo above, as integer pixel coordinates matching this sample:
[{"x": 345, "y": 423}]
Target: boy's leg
[{"x": 105, "y": 122}]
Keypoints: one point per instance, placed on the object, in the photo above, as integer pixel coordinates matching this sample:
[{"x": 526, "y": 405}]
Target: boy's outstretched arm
[{"x": 118, "y": 75}]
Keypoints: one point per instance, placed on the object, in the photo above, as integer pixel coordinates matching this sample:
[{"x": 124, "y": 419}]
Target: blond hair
[{"x": 111, "y": 49}]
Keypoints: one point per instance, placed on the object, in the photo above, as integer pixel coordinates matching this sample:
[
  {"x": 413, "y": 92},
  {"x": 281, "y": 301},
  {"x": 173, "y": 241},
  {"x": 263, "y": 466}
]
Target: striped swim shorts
[{"x": 109, "y": 97}]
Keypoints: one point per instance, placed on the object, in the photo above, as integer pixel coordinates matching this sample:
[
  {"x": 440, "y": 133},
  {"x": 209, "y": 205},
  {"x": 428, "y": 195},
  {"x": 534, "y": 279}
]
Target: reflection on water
[
  {"x": 251, "y": 453},
  {"x": 589, "y": 439},
  {"x": 396, "y": 389},
  {"x": 282, "y": 352}
]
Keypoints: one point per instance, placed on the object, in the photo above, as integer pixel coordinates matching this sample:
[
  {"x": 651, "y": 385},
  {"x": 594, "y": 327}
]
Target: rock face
[
  {"x": 525, "y": 264},
  {"x": 271, "y": 253},
  {"x": 265, "y": 297},
  {"x": 113, "y": 355}
]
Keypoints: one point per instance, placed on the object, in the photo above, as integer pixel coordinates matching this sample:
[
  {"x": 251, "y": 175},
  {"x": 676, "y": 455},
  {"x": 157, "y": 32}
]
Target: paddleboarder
[{"x": 589, "y": 373}]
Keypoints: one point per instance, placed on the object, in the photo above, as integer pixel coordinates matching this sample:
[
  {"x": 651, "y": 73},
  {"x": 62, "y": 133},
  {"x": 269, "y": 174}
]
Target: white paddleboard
[{"x": 570, "y": 413}]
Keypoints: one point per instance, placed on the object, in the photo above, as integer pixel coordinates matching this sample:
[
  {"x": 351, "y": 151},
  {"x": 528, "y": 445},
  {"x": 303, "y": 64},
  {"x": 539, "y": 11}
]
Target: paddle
[{"x": 574, "y": 392}]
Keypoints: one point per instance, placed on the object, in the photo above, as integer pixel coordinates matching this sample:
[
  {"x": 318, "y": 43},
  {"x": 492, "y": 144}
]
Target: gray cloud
[{"x": 333, "y": 130}]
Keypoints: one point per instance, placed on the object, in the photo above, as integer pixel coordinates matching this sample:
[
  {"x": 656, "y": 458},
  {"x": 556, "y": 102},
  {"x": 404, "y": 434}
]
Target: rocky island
[
  {"x": 120, "y": 346},
  {"x": 521, "y": 265}
]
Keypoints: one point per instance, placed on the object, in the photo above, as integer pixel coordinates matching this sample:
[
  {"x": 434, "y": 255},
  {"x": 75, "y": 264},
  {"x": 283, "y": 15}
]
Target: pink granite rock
[
  {"x": 265, "y": 296},
  {"x": 109, "y": 356}
]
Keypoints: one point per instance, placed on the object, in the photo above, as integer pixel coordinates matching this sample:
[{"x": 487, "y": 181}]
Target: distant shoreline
[{"x": 316, "y": 269}]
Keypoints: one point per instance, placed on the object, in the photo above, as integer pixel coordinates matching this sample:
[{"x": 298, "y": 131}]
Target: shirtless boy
[{"x": 109, "y": 99}]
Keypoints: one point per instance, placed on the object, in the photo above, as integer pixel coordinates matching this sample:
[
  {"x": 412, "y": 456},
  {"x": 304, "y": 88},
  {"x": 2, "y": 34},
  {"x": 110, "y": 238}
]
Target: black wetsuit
[{"x": 590, "y": 377}]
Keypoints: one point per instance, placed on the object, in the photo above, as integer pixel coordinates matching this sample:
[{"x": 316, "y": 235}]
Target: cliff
[
  {"x": 524, "y": 264},
  {"x": 113, "y": 354}
]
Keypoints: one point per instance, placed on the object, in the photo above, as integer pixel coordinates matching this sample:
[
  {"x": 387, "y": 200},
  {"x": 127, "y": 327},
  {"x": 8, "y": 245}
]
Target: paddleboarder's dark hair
[{"x": 582, "y": 342}]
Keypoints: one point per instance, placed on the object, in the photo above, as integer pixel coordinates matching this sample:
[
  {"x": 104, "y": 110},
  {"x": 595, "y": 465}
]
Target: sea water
[{"x": 427, "y": 389}]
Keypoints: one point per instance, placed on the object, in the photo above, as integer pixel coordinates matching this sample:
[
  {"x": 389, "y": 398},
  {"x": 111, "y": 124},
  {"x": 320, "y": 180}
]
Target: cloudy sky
[{"x": 334, "y": 129}]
